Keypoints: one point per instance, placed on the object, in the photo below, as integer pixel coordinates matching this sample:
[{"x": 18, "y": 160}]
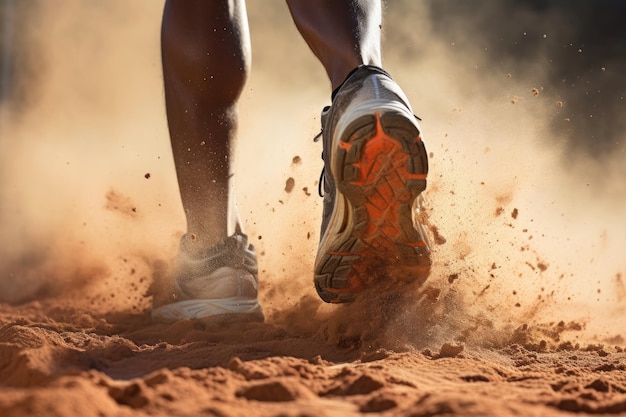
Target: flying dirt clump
[{"x": 289, "y": 184}]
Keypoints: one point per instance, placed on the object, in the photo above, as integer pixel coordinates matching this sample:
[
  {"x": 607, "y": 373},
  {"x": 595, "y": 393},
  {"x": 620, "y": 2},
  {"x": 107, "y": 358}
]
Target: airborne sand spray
[
  {"x": 525, "y": 185},
  {"x": 527, "y": 240}
]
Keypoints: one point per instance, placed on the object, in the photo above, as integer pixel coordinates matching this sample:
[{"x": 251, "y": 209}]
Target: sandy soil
[
  {"x": 524, "y": 313},
  {"x": 56, "y": 361}
]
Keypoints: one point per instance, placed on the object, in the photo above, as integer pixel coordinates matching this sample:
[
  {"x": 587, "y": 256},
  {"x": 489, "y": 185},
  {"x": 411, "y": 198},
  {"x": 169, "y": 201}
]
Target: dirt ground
[
  {"x": 524, "y": 312},
  {"x": 57, "y": 361}
]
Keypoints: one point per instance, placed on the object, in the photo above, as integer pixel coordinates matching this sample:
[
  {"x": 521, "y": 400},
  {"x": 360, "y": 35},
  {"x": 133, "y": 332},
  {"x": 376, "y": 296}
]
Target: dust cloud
[
  {"x": 531, "y": 207},
  {"x": 531, "y": 218},
  {"x": 82, "y": 127}
]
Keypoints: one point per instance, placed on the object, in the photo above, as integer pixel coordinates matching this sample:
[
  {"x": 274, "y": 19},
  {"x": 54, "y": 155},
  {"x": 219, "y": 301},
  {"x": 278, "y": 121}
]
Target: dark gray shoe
[{"x": 375, "y": 168}]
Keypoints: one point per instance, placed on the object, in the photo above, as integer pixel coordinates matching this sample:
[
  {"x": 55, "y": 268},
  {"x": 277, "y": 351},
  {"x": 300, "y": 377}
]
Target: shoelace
[
  {"x": 316, "y": 138},
  {"x": 320, "y": 189}
]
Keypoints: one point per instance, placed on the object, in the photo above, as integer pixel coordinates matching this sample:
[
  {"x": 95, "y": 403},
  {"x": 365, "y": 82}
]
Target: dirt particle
[
  {"x": 514, "y": 213},
  {"x": 317, "y": 360},
  {"x": 147, "y": 176},
  {"x": 289, "y": 184},
  {"x": 535, "y": 92},
  {"x": 437, "y": 237},
  {"x": 451, "y": 350},
  {"x": 484, "y": 290},
  {"x": 120, "y": 203},
  {"x": 235, "y": 364},
  {"x": 296, "y": 160}
]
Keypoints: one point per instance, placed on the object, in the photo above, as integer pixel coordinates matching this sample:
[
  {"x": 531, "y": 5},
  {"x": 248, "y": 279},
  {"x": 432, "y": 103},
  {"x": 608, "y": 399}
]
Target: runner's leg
[
  {"x": 343, "y": 34},
  {"x": 206, "y": 59}
]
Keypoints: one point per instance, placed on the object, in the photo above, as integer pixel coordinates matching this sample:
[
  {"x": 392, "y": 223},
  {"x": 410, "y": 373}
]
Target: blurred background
[{"x": 523, "y": 110}]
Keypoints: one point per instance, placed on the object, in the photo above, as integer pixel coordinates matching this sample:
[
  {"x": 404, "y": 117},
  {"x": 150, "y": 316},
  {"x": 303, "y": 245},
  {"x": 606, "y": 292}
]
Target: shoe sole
[
  {"x": 380, "y": 167},
  {"x": 235, "y": 308}
]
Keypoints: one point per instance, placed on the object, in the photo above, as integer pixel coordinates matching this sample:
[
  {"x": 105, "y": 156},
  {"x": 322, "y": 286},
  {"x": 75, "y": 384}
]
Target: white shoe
[{"x": 222, "y": 282}]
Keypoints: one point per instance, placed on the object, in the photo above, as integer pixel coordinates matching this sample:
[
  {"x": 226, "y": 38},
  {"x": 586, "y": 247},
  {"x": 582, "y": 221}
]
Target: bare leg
[
  {"x": 206, "y": 59},
  {"x": 343, "y": 34},
  {"x": 205, "y": 46}
]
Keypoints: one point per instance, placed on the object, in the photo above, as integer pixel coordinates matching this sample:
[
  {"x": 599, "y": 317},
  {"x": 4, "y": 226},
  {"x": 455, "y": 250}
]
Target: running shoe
[
  {"x": 221, "y": 283},
  {"x": 375, "y": 168}
]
